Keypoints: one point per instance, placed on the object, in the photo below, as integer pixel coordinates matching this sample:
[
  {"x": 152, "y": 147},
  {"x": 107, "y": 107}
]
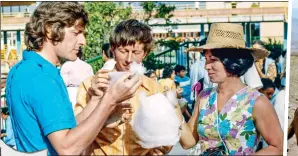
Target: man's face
[
  {"x": 182, "y": 73},
  {"x": 125, "y": 55},
  {"x": 74, "y": 38}
]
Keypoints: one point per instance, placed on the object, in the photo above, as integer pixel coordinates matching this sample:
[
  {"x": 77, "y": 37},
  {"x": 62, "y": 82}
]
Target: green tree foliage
[
  {"x": 163, "y": 11},
  {"x": 171, "y": 44},
  {"x": 148, "y": 7},
  {"x": 103, "y": 17},
  {"x": 151, "y": 62},
  {"x": 157, "y": 10}
]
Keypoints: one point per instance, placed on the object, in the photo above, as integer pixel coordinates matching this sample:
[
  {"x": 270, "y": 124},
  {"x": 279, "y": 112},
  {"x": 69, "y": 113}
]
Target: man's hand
[
  {"x": 125, "y": 87},
  {"x": 121, "y": 114},
  {"x": 127, "y": 114},
  {"x": 100, "y": 83}
]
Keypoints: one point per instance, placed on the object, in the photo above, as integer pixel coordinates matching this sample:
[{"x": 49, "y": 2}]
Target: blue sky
[
  {"x": 295, "y": 3},
  {"x": 295, "y": 9}
]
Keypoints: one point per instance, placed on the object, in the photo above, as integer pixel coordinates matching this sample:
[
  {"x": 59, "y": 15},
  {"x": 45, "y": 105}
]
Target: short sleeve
[{"x": 51, "y": 105}]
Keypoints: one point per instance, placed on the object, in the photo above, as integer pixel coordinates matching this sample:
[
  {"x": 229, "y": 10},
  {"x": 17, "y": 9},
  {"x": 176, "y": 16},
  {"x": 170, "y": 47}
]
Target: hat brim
[{"x": 256, "y": 52}]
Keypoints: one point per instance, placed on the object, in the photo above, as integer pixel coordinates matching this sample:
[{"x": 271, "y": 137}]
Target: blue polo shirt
[{"x": 38, "y": 103}]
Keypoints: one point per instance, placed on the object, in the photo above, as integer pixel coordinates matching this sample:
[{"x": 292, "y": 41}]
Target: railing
[
  {"x": 93, "y": 59},
  {"x": 221, "y": 12},
  {"x": 216, "y": 19},
  {"x": 166, "y": 57}
]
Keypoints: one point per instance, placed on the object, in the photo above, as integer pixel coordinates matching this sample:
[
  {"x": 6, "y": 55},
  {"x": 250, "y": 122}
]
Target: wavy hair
[{"x": 53, "y": 17}]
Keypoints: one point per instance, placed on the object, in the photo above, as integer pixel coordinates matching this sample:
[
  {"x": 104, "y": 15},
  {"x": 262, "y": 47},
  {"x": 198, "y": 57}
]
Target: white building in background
[
  {"x": 188, "y": 16},
  {"x": 266, "y": 19}
]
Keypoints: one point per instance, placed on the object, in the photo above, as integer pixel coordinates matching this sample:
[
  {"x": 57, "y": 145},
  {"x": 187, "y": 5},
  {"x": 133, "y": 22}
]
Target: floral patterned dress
[{"x": 234, "y": 123}]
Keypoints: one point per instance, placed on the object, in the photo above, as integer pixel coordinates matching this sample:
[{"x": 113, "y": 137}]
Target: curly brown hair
[{"x": 51, "y": 18}]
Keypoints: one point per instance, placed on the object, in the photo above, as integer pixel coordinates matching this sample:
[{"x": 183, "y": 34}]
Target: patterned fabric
[{"x": 235, "y": 122}]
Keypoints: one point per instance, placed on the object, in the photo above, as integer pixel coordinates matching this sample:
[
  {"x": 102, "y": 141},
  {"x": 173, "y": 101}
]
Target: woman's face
[{"x": 216, "y": 70}]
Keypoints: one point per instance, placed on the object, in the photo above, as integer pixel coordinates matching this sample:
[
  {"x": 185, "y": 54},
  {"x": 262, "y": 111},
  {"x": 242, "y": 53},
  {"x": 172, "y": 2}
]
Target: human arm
[
  {"x": 268, "y": 126},
  {"x": 271, "y": 72},
  {"x": 189, "y": 135},
  {"x": 187, "y": 113},
  {"x": 90, "y": 91},
  {"x": 74, "y": 141}
]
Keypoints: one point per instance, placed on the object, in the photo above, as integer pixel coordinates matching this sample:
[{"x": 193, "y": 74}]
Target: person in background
[
  {"x": 279, "y": 103},
  {"x": 3, "y": 134},
  {"x": 9, "y": 138},
  {"x": 151, "y": 74},
  {"x": 73, "y": 73},
  {"x": 167, "y": 80},
  {"x": 131, "y": 41},
  {"x": 40, "y": 110},
  {"x": 269, "y": 89},
  {"x": 266, "y": 67},
  {"x": 282, "y": 60},
  {"x": 184, "y": 83},
  {"x": 158, "y": 73},
  {"x": 182, "y": 102},
  {"x": 199, "y": 73},
  {"x": 228, "y": 119},
  {"x": 106, "y": 52}
]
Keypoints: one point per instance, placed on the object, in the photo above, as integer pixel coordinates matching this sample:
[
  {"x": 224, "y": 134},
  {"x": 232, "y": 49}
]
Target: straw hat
[{"x": 228, "y": 35}]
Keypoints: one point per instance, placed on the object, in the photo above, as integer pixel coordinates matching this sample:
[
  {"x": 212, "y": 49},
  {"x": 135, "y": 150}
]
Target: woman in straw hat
[{"x": 230, "y": 118}]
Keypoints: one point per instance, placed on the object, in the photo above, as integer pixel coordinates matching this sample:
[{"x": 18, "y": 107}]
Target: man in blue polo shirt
[{"x": 41, "y": 112}]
